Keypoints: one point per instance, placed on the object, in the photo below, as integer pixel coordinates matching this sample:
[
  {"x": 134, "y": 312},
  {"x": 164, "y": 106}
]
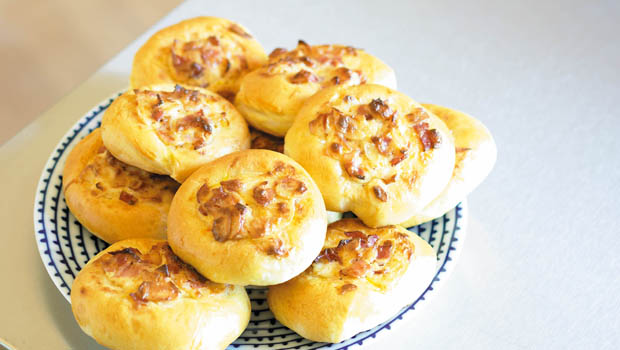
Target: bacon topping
[
  {"x": 155, "y": 291},
  {"x": 278, "y": 51},
  {"x": 353, "y": 168},
  {"x": 302, "y": 77},
  {"x": 336, "y": 148},
  {"x": 384, "y": 250},
  {"x": 382, "y": 143},
  {"x": 195, "y": 120},
  {"x": 402, "y": 155},
  {"x": 342, "y": 75},
  {"x": 239, "y": 31},
  {"x": 328, "y": 255},
  {"x": 348, "y": 287},
  {"x": 378, "y": 106},
  {"x": 231, "y": 185},
  {"x": 276, "y": 248},
  {"x": 357, "y": 269},
  {"x": 287, "y": 187},
  {"x": 128, "y": 198},
  {"x": 461, "y": 149},
  {"x": 430, "y": 139},
  {"x": 262, "y": 194},
  {"x": 380, "y": 193}
]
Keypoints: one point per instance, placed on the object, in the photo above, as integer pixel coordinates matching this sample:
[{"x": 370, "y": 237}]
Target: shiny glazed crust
[
  {"x": 207, "y": 52},
  {"x": 250, "y": 217},
  {"x": 271, "y": 96},
  {"x": 475, "y": 156},
  {"x": 373, "y": 151},
  {"x": 137, "y": 295},
  {"x": 362, "y": 277},
  {"x": 113, "y": 200},
  {"x": 172, "y": 130}
]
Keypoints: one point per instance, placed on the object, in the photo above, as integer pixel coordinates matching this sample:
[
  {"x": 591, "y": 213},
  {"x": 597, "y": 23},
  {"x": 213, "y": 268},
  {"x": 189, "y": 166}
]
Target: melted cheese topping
[
  {"x": 356, "y": 255},
  {"x": 210, "y": 58},
  {"x": 322, "y": 65},
  {"x": 154, "y": 276},
  {"x": 256, "y": 207},
  {"x": 373, "y": 141},
  {"x": 182, "y": 118},
  {"x": 111, "y": 179}
]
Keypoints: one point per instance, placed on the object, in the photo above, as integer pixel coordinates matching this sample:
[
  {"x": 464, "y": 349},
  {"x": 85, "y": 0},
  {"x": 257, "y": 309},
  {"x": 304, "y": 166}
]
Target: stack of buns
[{"x": 197, "y": 203}]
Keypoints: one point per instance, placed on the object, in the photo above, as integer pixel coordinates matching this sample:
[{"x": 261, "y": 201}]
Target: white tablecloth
[{"x": 540, "y": 267}]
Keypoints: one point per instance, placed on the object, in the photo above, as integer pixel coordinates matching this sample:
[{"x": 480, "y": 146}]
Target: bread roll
[
  {"x": 251, "y": 217},
  {"x": 207, "y": 52},
  {"x": 270, "y": 97},
  {"x": 172, "y": 130},
  {"x": 362, "y": 277},
  {"x": 373, "y": 151},
  {"x": 138, "y": 295},
  {"x": 108, "y": 196}
]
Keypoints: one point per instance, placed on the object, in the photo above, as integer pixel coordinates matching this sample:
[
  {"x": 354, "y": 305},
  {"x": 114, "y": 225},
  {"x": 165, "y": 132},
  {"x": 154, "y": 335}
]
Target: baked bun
[
  {"x": 251, "y": 217},
  {"x": 361, "y": 278},
  {"x": 207, "y": 52},
  {"x": 172, "y": 130},
  {"x": 475, "y": 156},
  {"x": 271, "y": 96},
  {"x": 108, "y": 196},
  {"x": 138, "y": 295},
  {"x": 373, "y": 151}
]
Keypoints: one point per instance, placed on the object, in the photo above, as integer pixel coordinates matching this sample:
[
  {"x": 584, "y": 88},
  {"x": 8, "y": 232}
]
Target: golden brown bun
[
  {"x": 271, "y": 96},
  {"x": 207, "y": 52},
  {"x": 362, "y": 277},
  {"x": 108, "y": 196},
  {"x": 172, "y": 130},
  {"x": 475, "y": 156},
  {"x": 137, "y": 295},
  {"x": 373, "y": 151},
  {"x": 251, "y": 217}
]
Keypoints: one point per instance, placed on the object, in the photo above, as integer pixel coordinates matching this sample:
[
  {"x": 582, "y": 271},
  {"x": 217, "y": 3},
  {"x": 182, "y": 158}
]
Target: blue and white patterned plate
[{"x": 65, "y": 246}]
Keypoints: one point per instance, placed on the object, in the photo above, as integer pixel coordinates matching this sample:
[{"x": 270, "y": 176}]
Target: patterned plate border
[{"x": 65, "y": 246}]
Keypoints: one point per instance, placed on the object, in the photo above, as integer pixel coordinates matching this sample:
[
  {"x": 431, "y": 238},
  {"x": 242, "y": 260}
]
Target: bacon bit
[
  {"x": 203, "y": 193},
  {"x": 195, "y": 120},
  {"x": 352, "y": 168},
  {"x": 157, "y": 114},
  {"x": 348, "y": 99},
  {"x": 128, "y": 198},
  {"x": 164, "y": 270},
  {"x": 328, "y": 255},
  {"x": 239, "y": 31},
  {"x": 345, "y": 288},
  {"x": 365, "y": 111},
  {"x": 356, "y": 234},
  {"x": 357, "y": 269},
  {"x": 307, "y": 61},
  {"x": 227, "y": 94},
  {"x": 400, "y": 157},
  {"x": 100, "y": 186},
  {"x": 281, "y": 168},
  {"x": 380, "y": 193},
  {"x": 302, "y": 77},
  {"x": 370, "y": 241},
  {"x": 263, "y": 195},
  {"x": 155, "y": 291},
  {"x": 288, "y": 186},
  {"x": 379, "y": 272},
  {"x": 320, "y": 125},
  {"x": 213, "y": 40},
  {"x": 384, "y": 250},
  {"x": 231, "y": 185},
  {"x": 342, "y": 75},
  {"x": 283, "y": 208},
  {"x": 221, "y": 228},
  {"x": 350, "y": 50},
  {"x": 428, "y": 138},
  {"x": 345, "y": 123},
  {"x": 378, "y": 106},
  {"x": 462, "y": 149},
  {"x": 389, "y": 180},
  {"x": 276, "y": 248},
  {"x": 336, "y": 148},
  {"x": 278, "y": 51},
  {"x": 133, "y": 252},
  {"x": 302, "y": 44},
  {"x": 382, "y": 143}
]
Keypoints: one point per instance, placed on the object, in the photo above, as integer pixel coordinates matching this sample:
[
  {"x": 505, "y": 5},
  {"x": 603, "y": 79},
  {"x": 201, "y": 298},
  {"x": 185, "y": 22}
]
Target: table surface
[{"x": 540, "y": 267}]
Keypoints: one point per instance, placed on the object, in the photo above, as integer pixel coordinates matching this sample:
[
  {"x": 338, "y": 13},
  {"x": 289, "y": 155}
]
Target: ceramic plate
[{"x": 65, "y": 246}]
